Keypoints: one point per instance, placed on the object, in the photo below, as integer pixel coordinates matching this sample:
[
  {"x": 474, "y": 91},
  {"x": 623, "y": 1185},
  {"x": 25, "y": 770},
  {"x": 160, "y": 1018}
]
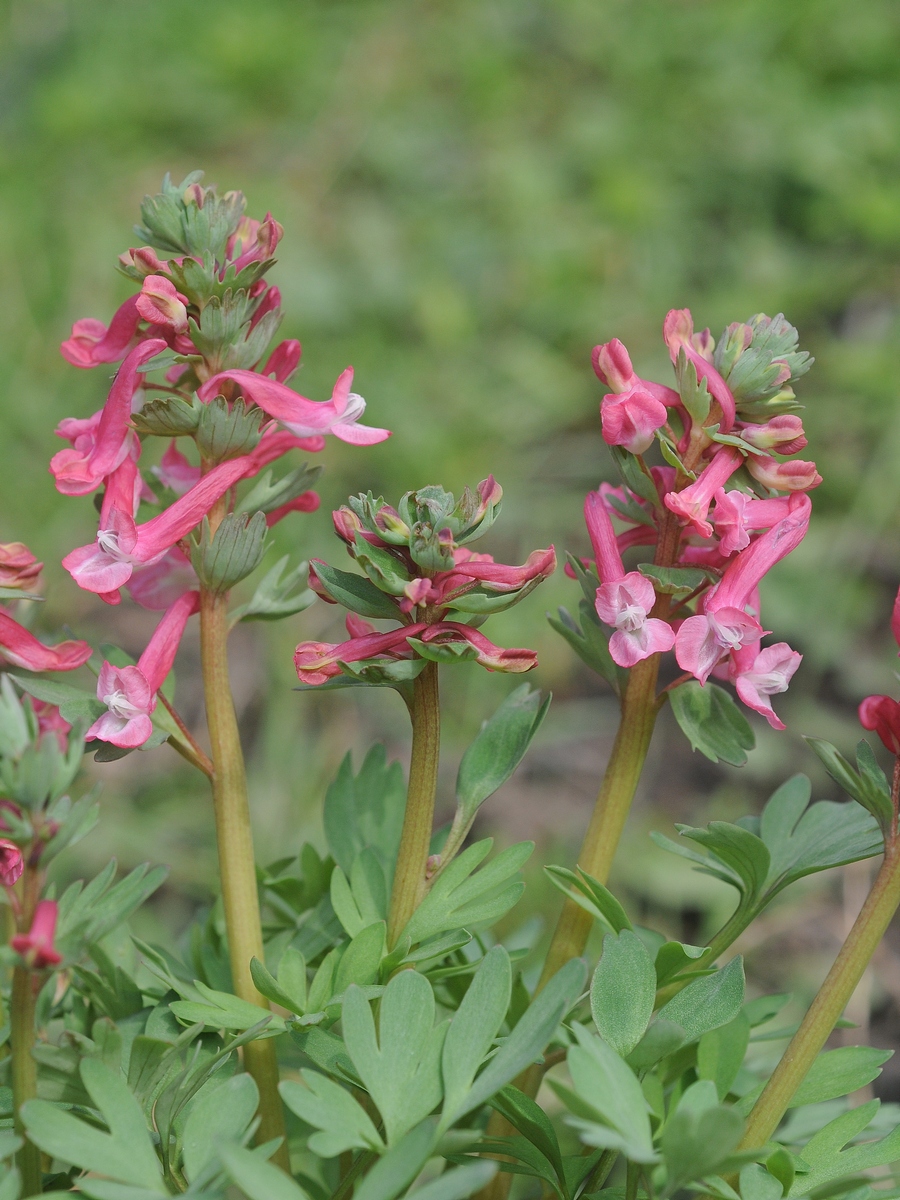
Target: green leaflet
[
  {"x": 258, "y": 1178},
  {"x": 830, "y": 1157},
  {"x": 707, "y": 1003},
  {"x": 330, "y": 1108},
  {"x": 712, "y": 722},
  {"x": 365, "y": 809},
  {"x": 623, "y": 991},
  {"x": 221, "y": 1112}
]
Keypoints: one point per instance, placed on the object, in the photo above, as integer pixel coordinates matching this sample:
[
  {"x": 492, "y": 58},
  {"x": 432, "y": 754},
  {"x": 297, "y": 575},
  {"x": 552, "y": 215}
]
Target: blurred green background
[{"x": 474, "y": 193}]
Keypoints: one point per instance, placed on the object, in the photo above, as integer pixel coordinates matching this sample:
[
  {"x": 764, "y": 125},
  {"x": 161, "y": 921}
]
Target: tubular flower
[
  {"x": 160, "y": 303},
  {"x": 783, "y": 434},
  {"x": 302, "y": 417},
  {"x": 631, "y": 419},
  {"x": 678, "y": 334},
  {"x": 12, "y": 864},
  {"x": 36, "y": 947},
  {"x": 881, "y": 715},
  {"x": 737, "y": 515},
  {"x": 22, "y": 649},
  {"x": 129, "y": 693},
  {"x": 122, "y": 545},
  {"x": 92, "y": 343},
  {"x": 612, "y": 366},
  {"x": 102, "y": 447},
  {"x": 759, "y": 675},
  {"x": 792, "y": 476},
  {"x": 692, "y": 504},
  {"x": 175, "y": 471}
]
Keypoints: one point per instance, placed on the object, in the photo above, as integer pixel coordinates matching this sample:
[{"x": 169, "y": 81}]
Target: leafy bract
[{"x": 712, "y": 722}]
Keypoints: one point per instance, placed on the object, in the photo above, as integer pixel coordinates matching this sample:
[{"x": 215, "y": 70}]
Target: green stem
[
  {"x": 237, "y": 868},
  {"x": 830, "y": 1002},
  {"x": 24, "y": 1073},
  {"x": 415, "y": 839},
  {"x": 632, "y": 1177}
]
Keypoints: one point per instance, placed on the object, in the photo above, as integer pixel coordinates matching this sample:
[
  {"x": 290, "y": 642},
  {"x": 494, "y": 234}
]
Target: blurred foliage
[{"x": 474, "y": 193}]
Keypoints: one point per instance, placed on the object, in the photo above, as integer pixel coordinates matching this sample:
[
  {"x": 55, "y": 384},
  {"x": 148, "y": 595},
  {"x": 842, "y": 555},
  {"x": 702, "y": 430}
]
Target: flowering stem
[
  {"x": 21, "y": 1035},
  {"x": 191, "y": 751},
  {"x": 832, "y": 998},
  {"x": 237, "y": 868},
  {"x": 415, "y": 839}
]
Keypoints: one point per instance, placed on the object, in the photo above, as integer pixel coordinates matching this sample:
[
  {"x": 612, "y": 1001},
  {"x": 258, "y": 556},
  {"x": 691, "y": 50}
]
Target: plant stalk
[
  {"x": 23, "y": 1003},
  {"x": 831, "y": 1000},
  {"x": 415, "y": 838},
  {"x": 237, "y": 866}
]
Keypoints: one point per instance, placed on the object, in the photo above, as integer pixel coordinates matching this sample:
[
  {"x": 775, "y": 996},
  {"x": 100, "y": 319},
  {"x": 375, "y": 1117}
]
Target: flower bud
[
  {"x": 783, "y": 434},
  {"x": 160, "y": 304},
  {"x": 612, "y": 365},
  {"x": 12, "y": 863},
  {"x": 36, "y": 946},
  {"x": 19, "y": 569},
  {"x": 232, "y": 554},
  {"x": 793, "y": 476},
  {"x": 881, "y": 715}
]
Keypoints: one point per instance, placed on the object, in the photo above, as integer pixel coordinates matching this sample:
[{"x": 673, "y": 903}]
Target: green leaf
[
  {"x": 635, "y": 479},
  {"x": 623, "y": 991},
  {"x": 590, "y": 642},
  {"x": 220, "y": 1112},
  {"x": 709, "y": 1002},
  {"x": 356, "y": 592},
  {"x": 757, "y": 1184},
  {"x": 267, "y": 985},
  {"x": 260, "y": 1180},
  {"x": 457, "y": 1185},
  {"x": 498, "y": 749},
  {"x": 712, "y": 722},
  {"x": 675, "y": 581},
  {"x": 399, "y": 1167},
  {"x": 275, "y": 596},
  {"x": 608, "y": 1106},
  {"x": 361, "y": 961},
  {"x": 74, "y": 704},
  {"x": 591, "y": 895},
  {"x": 865, "y": 788},
  {"x": 328, "y": 1107},
  {"x": 529, "y": 1037},
  {"x": 125, "y": 1154},
  {"x": 720, "y": 1053},
  {"x": 221, "y": 1010},
  {"x": 474, "y": 1027},
  {"x": 534, "y": 1125},
  {"x": 834, "y": 1073},
  {"x": 401, "y": 1066},
  {"x": 461, "y": 896},
  {"x": 827, "y": 1158},
  {"x": 700, "y": 1138},
  {"x": 365, "y": 809}
]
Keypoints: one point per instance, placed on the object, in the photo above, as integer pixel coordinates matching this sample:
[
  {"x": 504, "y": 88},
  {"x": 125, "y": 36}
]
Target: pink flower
[
  {"x": 881, "y": 715},
  {"x": 626, "y": 604},
  {"x": 92, "y": 343},
  {"x": 121, "y": 545},
  {"x": 317, "y": 662},
  {"x": 623, "y": 601},
  {"x": 306, "y": 502},
  {"x": 493, "y": 658},
  {"x": 99, "y": 449},
  {"x": 703, "y": 640},
  {"x": 768, "y": 673},
  {"x": 19, "y": 569},
  {"x": 160, "y": 303},
  {"x": 678, "y": 333},
  {"x": 692, "y": 504},
  {"x": 304, "y": 418},
  {"x": 783, "y": 434},
  {"x": 36, "y": 946},
  {"x": 270, "y": 302},
  {"x": 631, "y": 418},
  {"x": 792, "y": 476},
  {"x": 498, "y": 577},
  {"x": 22, "y": 649},
  {"x": 283, "y": 361},
  {"x": 737, "y": 514},
  {"x": 175, "y": 471},
  {"x": 129, "y": 693},
  {"x": 51, "y": 722},
  {"x": 12, "y": 864},
  {"x": 253, "y": 241},
  {"x": 160, "y": 584},
  {"x": 612, "y": 366}
]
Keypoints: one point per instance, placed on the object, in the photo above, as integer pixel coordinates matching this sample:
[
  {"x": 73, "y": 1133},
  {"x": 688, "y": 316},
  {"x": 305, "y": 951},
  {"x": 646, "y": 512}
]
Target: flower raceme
[
  {"x": 419, "y": 571},
  {"x": 724, "y": 510},
  {"x": 130, "y": 693}
]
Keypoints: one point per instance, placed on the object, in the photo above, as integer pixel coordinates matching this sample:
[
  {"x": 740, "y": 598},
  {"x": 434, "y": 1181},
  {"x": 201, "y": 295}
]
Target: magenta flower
[
  {"x": 612, "y": 366},
  {"x": 121, "y": 545},
  {"x": 12, "y": 864},
  {"x": 51, "y": 722},
  {"x": 692, "y": 504},
  {"x": 678, "y": 333},
  {"x": 161, "y": 304},
  {"x": 36, "y": 947},
  {"x": 284, "y": 360},
  {"x": 22, "y": 649},
  {"x": 103, "y": 442},
  {"x": 783, "y": 434},
  {"x": 306, "y": 502},
  {"x": 304, "y": 418},
  {"x": 703, "y": 640},
  {"x": 160, "y": 584},
  {"x": 631, "y": 419},
  {"x": 881, "y": 715},
  {"x": 129, "y": 693},
  {"x": 623, "y": 601},
  {"x": 92, "y": 343},
  {"x": 759, "y": 674}
]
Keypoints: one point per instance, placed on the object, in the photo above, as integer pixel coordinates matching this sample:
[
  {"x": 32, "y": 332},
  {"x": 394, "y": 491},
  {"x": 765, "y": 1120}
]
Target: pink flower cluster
[
  {"x": 19, "y": 571},
  {"x": 731, "y": 536}
]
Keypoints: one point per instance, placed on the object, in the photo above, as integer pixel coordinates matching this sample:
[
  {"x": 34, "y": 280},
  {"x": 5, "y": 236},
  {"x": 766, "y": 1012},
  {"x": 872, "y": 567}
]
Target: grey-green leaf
[{"x": 623, "y": 991}]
